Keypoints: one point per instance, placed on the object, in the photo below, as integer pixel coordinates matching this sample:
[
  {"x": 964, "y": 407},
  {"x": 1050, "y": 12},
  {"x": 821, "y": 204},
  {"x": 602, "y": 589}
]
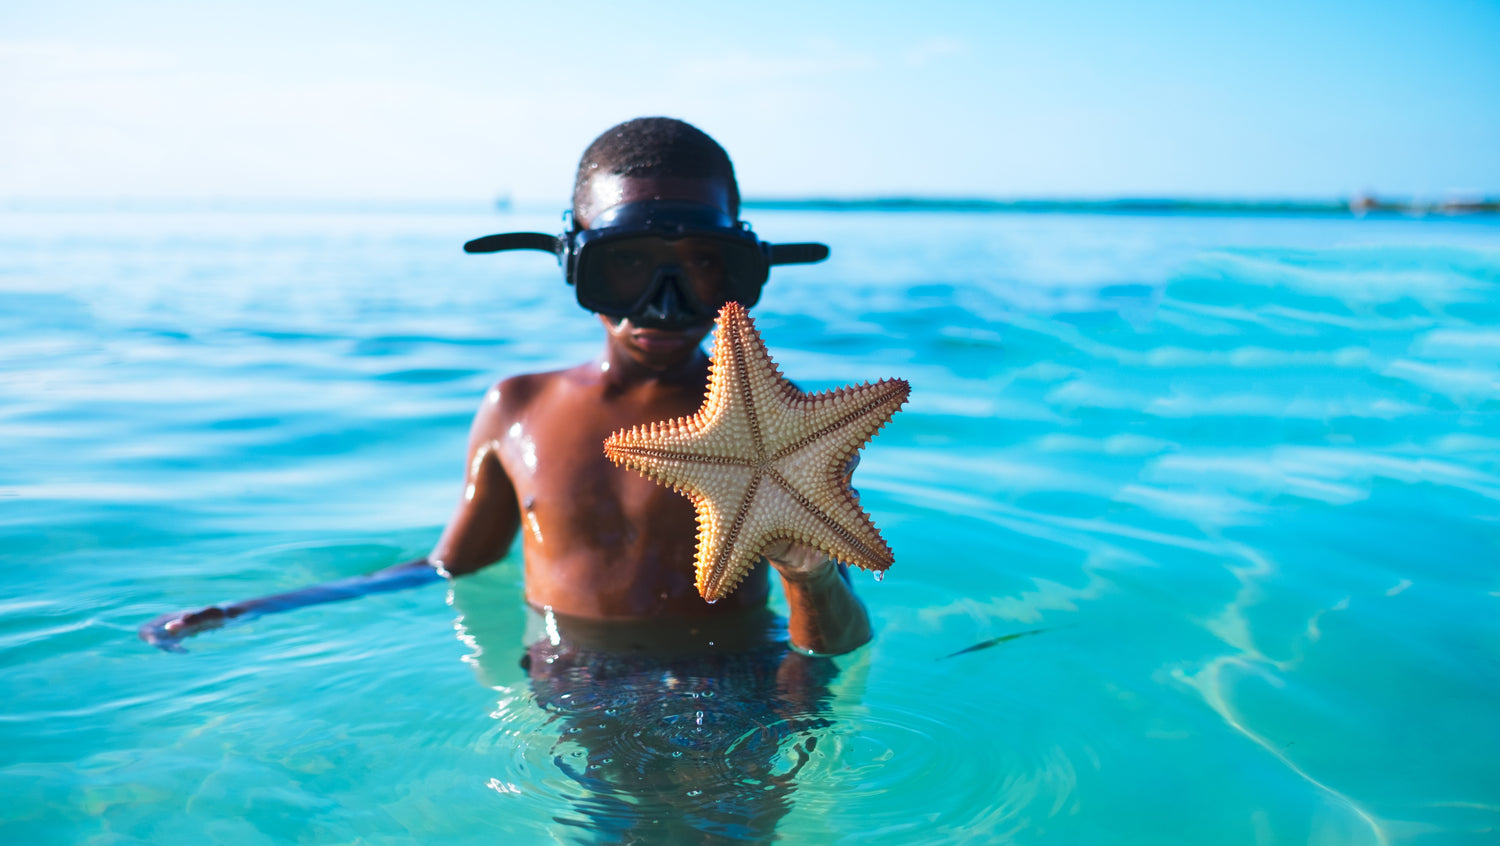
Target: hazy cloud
[{"x": 933, "y": 49}]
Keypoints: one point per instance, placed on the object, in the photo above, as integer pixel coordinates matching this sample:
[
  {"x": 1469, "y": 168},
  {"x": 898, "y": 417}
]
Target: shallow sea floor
[{"x": 1237, "y": 480}]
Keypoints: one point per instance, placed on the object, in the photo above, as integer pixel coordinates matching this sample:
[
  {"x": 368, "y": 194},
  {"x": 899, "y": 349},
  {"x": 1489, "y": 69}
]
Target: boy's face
[{"x": 653, "y": 348}]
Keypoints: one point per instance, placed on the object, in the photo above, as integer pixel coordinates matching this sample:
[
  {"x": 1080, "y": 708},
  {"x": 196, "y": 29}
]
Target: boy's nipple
[{"x": 529, "y": 505}]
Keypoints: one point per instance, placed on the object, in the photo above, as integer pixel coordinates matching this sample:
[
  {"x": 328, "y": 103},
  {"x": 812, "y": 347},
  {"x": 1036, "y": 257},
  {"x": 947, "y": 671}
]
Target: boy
[{"x": 604, "y": 546}]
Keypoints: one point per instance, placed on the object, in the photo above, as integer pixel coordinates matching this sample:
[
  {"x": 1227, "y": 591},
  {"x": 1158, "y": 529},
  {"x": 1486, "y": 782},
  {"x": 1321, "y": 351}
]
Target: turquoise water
[{"x": 1239, "y": 476}]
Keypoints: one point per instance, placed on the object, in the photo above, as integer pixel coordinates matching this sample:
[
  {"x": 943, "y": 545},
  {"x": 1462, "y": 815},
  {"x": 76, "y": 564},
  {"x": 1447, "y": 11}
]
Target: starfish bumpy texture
[{"x": 762, "y": 461}]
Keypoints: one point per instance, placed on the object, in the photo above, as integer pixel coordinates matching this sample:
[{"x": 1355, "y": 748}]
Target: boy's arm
[
  {"x": 488, "y": 516},
  {"x": 827, "y": 617},
  {"x": 479, "y": 534},
  {"x": 166, "y": 632},
  {"x": 483, "y": 526}
]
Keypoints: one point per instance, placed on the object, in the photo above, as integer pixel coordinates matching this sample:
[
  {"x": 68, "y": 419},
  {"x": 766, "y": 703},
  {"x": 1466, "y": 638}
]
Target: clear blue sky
[{"x": 450, "y": 100}]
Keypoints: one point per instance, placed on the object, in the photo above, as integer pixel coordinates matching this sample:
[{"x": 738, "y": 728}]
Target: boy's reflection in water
[{"x": 672, "y": 740}]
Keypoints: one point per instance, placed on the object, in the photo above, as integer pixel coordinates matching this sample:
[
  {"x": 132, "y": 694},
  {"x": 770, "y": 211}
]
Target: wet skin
[{"x": 600, "y": 542}]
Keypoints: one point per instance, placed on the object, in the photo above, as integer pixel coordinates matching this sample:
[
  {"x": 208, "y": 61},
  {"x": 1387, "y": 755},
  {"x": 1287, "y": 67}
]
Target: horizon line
[{"x": 1359, "y": 204}]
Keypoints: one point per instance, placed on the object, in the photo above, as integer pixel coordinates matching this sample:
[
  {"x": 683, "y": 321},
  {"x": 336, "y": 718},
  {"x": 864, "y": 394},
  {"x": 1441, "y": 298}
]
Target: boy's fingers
[
  {"x": 166, "y": 631},
  {"x": 158, "y": 635},
  {"x": 796, "y": 560}
]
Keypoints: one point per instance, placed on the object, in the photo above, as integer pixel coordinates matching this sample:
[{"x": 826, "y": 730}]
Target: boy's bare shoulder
[{"x": 512, "y": 396}]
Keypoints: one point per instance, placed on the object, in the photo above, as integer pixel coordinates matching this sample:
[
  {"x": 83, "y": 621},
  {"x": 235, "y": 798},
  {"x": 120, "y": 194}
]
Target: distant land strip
[{"x": 1357, "y": 206}]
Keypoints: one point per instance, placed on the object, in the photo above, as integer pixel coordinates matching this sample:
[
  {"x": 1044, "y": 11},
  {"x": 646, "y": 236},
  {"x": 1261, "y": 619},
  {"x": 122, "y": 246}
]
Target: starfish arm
[
  {"x": 818, "y": 464},
  {"x": 730, "y": 540},
  {"x": 812, "y": 471},
  {"x": 766, "y": 514},
  {"x": 712, "y": 436},
  {"x": 830, "y": 519},
  {"x": 753, "y": 382},
  {"x": 721, "y": 563},
  {"x": 674, "y": 468},
  {"x": 848, "y": 416}
]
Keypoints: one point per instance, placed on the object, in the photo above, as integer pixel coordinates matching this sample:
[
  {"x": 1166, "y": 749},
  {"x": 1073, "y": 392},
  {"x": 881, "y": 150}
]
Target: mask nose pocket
[{"x": 667, "y": 306}]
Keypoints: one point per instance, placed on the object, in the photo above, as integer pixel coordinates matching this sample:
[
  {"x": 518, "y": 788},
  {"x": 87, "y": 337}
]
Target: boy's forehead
[{"x": 609, "y": 190}]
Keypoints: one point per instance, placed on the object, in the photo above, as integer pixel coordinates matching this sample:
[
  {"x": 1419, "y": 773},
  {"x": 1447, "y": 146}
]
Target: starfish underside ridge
[{"x": 762, "y": 461}]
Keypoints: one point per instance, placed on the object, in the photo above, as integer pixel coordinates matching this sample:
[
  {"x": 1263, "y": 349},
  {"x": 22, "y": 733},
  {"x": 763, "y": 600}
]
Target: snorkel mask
[{"x": 664, "y": 264}]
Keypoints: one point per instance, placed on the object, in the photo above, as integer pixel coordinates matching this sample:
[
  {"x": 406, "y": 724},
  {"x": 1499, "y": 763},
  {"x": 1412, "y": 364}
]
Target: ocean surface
[{"x": 1217, "y": 497}]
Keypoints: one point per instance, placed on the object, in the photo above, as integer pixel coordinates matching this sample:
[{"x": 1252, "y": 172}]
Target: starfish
[{"x": 764, "y": 462}]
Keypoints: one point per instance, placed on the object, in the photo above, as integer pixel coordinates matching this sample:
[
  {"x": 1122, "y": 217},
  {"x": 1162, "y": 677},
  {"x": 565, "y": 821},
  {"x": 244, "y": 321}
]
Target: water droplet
[
  {"x": 676, "y": 754},
  {"x": 711, "y": 601},
  {"x": 699, "y": 719},
  {"x": 879, "y": 575}
]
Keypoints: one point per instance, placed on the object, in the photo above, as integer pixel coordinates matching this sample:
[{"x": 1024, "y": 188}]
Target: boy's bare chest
[{"x": 567, "y": 488}]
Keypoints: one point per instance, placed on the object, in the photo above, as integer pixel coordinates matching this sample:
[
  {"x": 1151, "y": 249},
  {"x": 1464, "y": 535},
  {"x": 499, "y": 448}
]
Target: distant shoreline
[{"x": 1357, "y": 206}]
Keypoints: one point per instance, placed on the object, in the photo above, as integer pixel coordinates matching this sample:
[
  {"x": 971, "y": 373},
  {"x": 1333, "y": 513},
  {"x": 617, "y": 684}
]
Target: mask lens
[
  {"x": 704, "y": 268},
  {"x": 624, "y": 270},
  {"x": 616, "y": 273}
]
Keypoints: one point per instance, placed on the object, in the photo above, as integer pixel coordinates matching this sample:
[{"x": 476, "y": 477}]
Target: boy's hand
[
  {"x": 166, "y": 632},
  {"x": 799, "y": 562}
]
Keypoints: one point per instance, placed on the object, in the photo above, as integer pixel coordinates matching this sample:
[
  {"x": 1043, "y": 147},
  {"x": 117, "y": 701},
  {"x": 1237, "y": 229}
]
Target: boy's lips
[{"x": 661, "y": 339}]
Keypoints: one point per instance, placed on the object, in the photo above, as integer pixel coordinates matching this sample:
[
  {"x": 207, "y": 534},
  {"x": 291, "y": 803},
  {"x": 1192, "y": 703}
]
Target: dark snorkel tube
[{"x": 516, "y": 241}]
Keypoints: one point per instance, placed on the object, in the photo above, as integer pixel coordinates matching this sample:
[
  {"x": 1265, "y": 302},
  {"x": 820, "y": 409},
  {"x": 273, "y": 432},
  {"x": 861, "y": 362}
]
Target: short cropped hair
[{"x": 655, "y": 146}]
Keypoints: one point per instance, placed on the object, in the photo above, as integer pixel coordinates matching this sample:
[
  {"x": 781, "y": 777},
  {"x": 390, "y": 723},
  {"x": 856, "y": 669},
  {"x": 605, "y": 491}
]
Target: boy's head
[
  {"x": 656, "y": 245},
  {"x": 665, "y": 150}
]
